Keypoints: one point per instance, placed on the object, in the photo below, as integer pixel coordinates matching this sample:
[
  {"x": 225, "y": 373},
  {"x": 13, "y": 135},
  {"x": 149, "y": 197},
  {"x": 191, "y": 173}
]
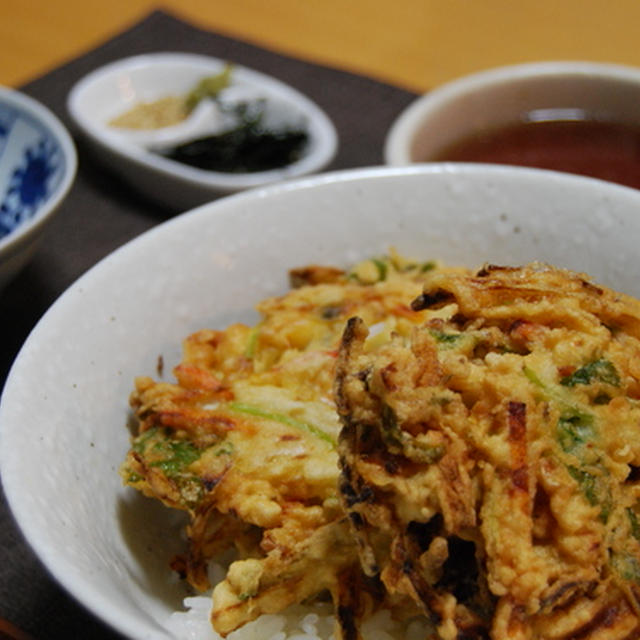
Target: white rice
[{"x": 299, "y": 622}]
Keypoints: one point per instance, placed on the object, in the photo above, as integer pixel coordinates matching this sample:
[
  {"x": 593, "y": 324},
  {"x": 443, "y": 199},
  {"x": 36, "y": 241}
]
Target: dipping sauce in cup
[
  {"x": 589, "y": 147},
  {"x": 576, "y": 117}
]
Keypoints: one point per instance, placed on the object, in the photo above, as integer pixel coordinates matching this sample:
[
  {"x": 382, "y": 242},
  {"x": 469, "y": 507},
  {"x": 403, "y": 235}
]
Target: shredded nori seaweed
[{"x": 246, "y": 148}]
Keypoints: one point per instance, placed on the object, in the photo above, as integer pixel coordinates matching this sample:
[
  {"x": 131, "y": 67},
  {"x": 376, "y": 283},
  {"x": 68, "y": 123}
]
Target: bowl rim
[
  {"x": 325, "y": 134},
  {"x": 15, "y": 239},
  {"x": 397, "y": 144}
]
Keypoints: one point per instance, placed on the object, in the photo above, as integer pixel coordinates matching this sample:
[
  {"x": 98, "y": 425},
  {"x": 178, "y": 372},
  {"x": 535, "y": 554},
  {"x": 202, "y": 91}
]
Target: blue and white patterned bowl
[{"x": 37, "y": 166}]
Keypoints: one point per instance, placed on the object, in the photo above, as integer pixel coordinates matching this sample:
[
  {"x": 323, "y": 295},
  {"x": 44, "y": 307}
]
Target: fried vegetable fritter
[
  {"x": 245, "y": 443},
  {"x": 490, "y": 460}
]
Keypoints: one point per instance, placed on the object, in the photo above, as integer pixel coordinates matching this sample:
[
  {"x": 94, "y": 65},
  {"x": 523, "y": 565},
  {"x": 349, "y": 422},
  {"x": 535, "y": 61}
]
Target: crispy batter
[
  {"x": 482, "y": 467},
  {"x": 245, "y": 443},
  {"x": 489, "y": 461}
]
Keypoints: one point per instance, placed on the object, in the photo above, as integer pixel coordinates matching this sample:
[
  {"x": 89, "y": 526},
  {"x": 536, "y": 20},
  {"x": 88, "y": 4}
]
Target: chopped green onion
[
  {"x": 283, "y": 418},
  {"x": 600, "y": 370},
  {"x": 626, "y": 565},
  {"x": 140, "y": 443},
  {"x": 532, "y": 376},
  {"x": 575, "y": 429},
  {"x": 634, "y": 523},
  {"x": 443, "y": 338},
  {"x": 226, "y": 449},
  {"x": 428, "y": 266},
  {"x": 595, "y": 489},
  {"x": 382, "y": 267},
  {"x": 179, "y": 455},
  {"x": 252, "y": 343},
  {"x": 576, "y": 426}
]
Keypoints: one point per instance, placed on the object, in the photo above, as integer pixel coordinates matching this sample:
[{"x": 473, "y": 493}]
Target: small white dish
[
  {"x": 490, "y": 99},
  {"x": 113, "y": 89},
  {"x": 64, "y": 408},
  {"x": 37, "y": 167}
]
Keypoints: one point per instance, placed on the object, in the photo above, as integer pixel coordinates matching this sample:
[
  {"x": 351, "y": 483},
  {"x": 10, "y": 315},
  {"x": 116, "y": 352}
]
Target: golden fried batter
[
  {"x": 245, "y": 442},
  {"x": 490, "y": 461}
]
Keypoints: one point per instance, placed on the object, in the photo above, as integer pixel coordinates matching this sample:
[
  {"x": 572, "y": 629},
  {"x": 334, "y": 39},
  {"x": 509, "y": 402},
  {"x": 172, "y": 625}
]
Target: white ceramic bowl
[
  {"x": 116, "y": 87},
  {"x": 37, "y": 167},
  {"x": 64, "y": 410},
  {"x": 491, "y": 99}
]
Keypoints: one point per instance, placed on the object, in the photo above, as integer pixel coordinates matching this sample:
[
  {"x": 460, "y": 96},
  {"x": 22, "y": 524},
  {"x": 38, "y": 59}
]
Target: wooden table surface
[{"x": 415, "y": 44}]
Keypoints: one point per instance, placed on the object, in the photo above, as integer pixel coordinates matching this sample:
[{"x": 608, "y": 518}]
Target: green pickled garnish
[{"x": 208, "y": 87}]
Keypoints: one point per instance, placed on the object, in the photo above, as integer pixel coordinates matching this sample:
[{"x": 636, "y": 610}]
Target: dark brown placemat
[{"x": 101, "y": 213}]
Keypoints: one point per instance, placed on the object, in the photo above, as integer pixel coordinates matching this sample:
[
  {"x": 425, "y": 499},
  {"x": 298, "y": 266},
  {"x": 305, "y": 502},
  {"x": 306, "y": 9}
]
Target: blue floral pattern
[{"x": 37, "y": 167}]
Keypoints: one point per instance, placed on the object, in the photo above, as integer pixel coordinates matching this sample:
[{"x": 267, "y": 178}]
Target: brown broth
[{"x": 599, "y": 149}]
